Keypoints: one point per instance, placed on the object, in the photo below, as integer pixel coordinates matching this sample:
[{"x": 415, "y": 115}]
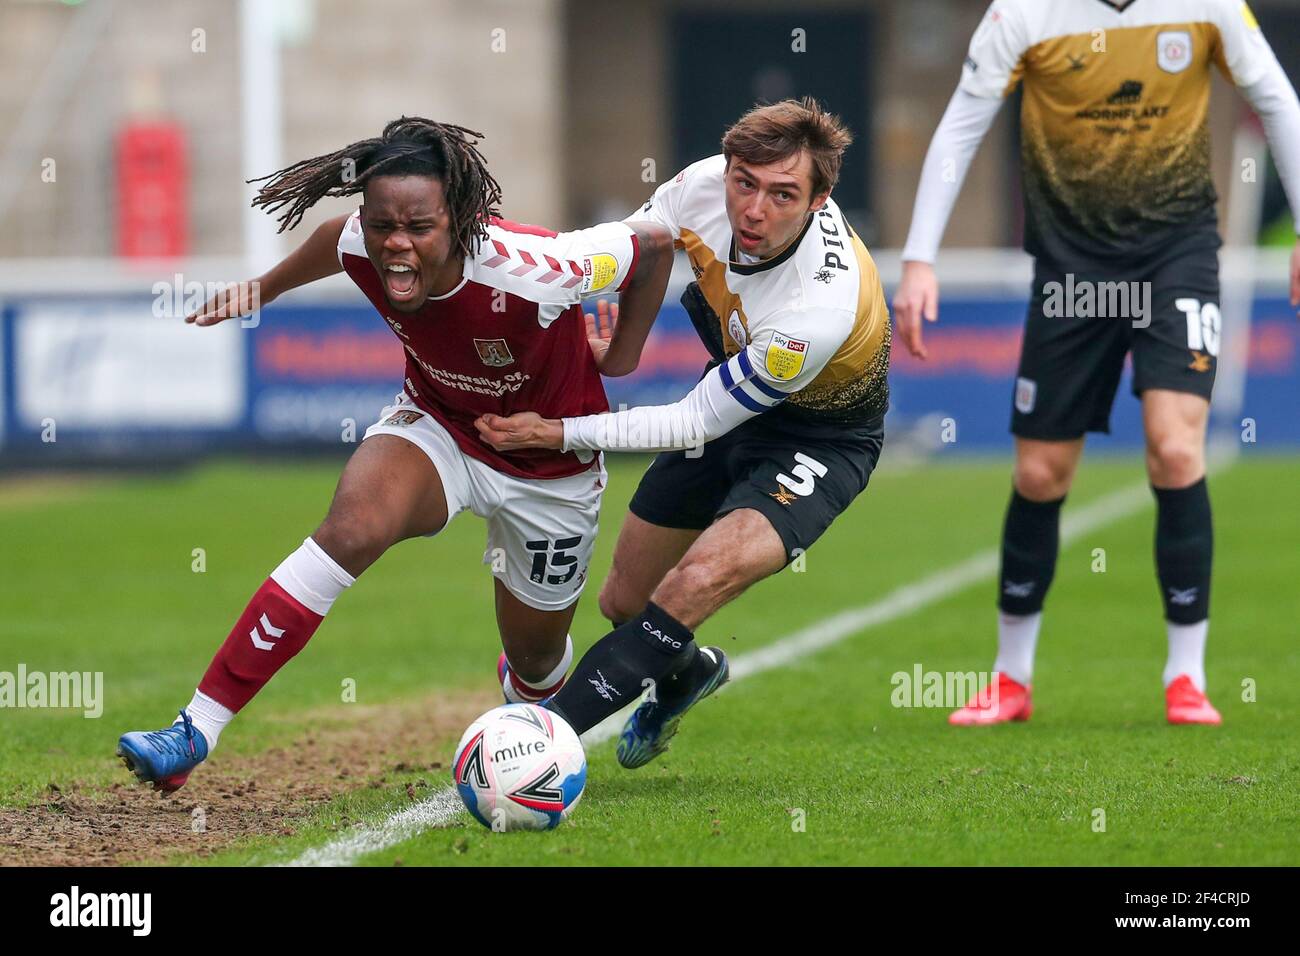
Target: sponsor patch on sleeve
[
  {"x": 785, "y": 356},
  {"x": 598, "y": 271}
]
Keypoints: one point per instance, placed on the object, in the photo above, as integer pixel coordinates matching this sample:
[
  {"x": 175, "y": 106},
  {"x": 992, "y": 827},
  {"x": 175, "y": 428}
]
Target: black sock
[
  {"x": 1031, "y": 538},
  {"x": 1184, "y": 551},
  {"x": 652, "y": 646},
  {"x": 686, "y": 681}
]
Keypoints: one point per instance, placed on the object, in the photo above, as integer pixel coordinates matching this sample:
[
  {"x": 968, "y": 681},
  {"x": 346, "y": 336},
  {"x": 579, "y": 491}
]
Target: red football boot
[
  {"x": 1184, "y": 704},
  {"x": 1011, "y": 701}
]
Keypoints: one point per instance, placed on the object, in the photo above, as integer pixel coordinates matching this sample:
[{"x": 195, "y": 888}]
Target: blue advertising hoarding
[{"x": 110, "y": 376}]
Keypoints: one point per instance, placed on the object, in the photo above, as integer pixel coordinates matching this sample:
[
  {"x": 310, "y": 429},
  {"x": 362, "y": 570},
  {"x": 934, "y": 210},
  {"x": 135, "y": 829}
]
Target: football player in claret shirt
[
  {"x": 789, "y": 414},
  {"x": 488, "y": 314},
  {"x": 1118, "y": 194}
]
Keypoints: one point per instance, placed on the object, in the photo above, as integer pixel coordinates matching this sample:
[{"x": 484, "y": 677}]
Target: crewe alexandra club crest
[
  {"x": 1174, "y": 50},
  {"x": 494, "y": 352}
]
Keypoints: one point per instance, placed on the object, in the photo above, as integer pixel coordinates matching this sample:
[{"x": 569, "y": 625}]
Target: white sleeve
[
  {"x": 664, "y": 206},
  {"x": 728, "y": 395},
  {"x": 351, "y": 239},
  {"x": 1252, "y": 65},
  {"x": 555, "y": 270},
  {"x": 996, "y": 49},
  {"x": 1245, "y": 55},
  {"x": 605, "y": 254},
  {"x": 1274, "y": 99},
  {"x": 954, "y": 145}
]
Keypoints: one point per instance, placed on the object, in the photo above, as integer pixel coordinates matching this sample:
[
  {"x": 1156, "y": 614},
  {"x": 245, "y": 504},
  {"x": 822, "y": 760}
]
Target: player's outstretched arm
[
  {"x": 728, "y": 395},
  {"x": 314, "y": 259},
  {"x": 639, "y": 302},
  {"x": 704, "y": 414}
]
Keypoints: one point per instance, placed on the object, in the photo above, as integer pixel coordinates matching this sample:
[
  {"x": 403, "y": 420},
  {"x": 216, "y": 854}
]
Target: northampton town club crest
[{"x": 494, "y": 352}]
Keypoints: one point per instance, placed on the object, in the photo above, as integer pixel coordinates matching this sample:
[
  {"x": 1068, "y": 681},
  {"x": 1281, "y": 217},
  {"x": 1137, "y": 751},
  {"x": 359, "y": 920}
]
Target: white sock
[
  {"x": 312, "y": 577},
  {"x": 209, "y": 717},
  {"x": 1017, "y": 638},
  {"x": 537, "y": 690},
  {"x": 1187, "y": 652}
]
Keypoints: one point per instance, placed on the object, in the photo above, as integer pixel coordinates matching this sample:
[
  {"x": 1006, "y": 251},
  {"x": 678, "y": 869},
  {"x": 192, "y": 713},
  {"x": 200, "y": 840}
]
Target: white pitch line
[{"x": 445, "y": 805}]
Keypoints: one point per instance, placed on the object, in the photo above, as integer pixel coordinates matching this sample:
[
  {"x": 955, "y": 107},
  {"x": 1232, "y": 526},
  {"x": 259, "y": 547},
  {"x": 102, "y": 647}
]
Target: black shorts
[
  {"x": 1075, "y": 343},
  {"x": 799, "y": 478}
]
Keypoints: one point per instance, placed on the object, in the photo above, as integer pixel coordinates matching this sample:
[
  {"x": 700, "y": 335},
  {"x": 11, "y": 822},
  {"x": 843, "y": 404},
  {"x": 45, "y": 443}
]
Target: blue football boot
[
  {"x": 652, "y": 725},
  {"x": 165, "y": 757}
]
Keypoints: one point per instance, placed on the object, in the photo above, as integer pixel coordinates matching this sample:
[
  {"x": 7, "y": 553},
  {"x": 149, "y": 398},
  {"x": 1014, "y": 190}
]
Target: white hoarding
[{"x": 113, "y": 365}]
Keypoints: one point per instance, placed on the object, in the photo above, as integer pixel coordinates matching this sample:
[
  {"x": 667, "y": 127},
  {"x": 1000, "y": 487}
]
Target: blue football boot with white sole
[
  {"x": 653, "y": 724},
  {"x": 165, "y": 757}
]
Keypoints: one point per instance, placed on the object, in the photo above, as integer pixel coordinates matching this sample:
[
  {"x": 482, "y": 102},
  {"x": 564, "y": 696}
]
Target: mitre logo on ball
[{"x": 520, "y": 767}]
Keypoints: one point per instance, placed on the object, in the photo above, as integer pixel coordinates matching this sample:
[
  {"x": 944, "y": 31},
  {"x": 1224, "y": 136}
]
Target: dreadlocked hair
[{"x": 411, "y": 145}]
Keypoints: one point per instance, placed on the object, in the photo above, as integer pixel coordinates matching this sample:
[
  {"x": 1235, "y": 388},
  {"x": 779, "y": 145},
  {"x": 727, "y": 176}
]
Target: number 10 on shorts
[
  {"x": 1203, "y": 324},
  {"x": 556, "y": 555}
]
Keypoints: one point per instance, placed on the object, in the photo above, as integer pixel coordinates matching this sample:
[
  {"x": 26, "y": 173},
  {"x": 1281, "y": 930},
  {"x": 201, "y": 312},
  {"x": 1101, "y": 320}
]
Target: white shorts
[{"x": 540, "y": 530}]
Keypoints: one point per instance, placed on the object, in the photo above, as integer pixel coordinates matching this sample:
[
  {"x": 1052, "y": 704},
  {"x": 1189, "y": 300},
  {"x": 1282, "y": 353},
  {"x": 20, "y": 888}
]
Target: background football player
[{"x": 1116, "y": 171}]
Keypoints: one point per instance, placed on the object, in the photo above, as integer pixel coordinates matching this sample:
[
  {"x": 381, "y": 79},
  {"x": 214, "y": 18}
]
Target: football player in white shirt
[{"x": 789, "y": 414}]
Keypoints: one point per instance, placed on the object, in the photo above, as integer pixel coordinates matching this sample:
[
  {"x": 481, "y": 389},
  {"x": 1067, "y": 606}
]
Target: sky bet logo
[{"x": 103, "y": 909}]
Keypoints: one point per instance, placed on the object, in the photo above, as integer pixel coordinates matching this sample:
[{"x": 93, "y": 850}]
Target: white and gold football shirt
[
  {"x": 1115, "y": 142},
  {"x": 807, "y": 327}
]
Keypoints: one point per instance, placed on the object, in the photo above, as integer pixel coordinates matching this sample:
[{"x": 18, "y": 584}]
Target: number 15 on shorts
[{"x": 555, "y": 554}]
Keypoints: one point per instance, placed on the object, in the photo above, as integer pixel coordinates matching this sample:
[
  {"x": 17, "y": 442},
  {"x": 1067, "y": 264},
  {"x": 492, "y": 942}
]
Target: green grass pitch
[{"x": 805, "y": 764}]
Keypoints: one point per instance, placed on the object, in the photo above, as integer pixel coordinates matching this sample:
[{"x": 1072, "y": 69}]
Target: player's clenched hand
[
  {"x": 520, "y": 430},
  {"x": 917, "y": 297},
  {"x": 232, "y": 301},
  {"x": 600, "y": 329}
]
